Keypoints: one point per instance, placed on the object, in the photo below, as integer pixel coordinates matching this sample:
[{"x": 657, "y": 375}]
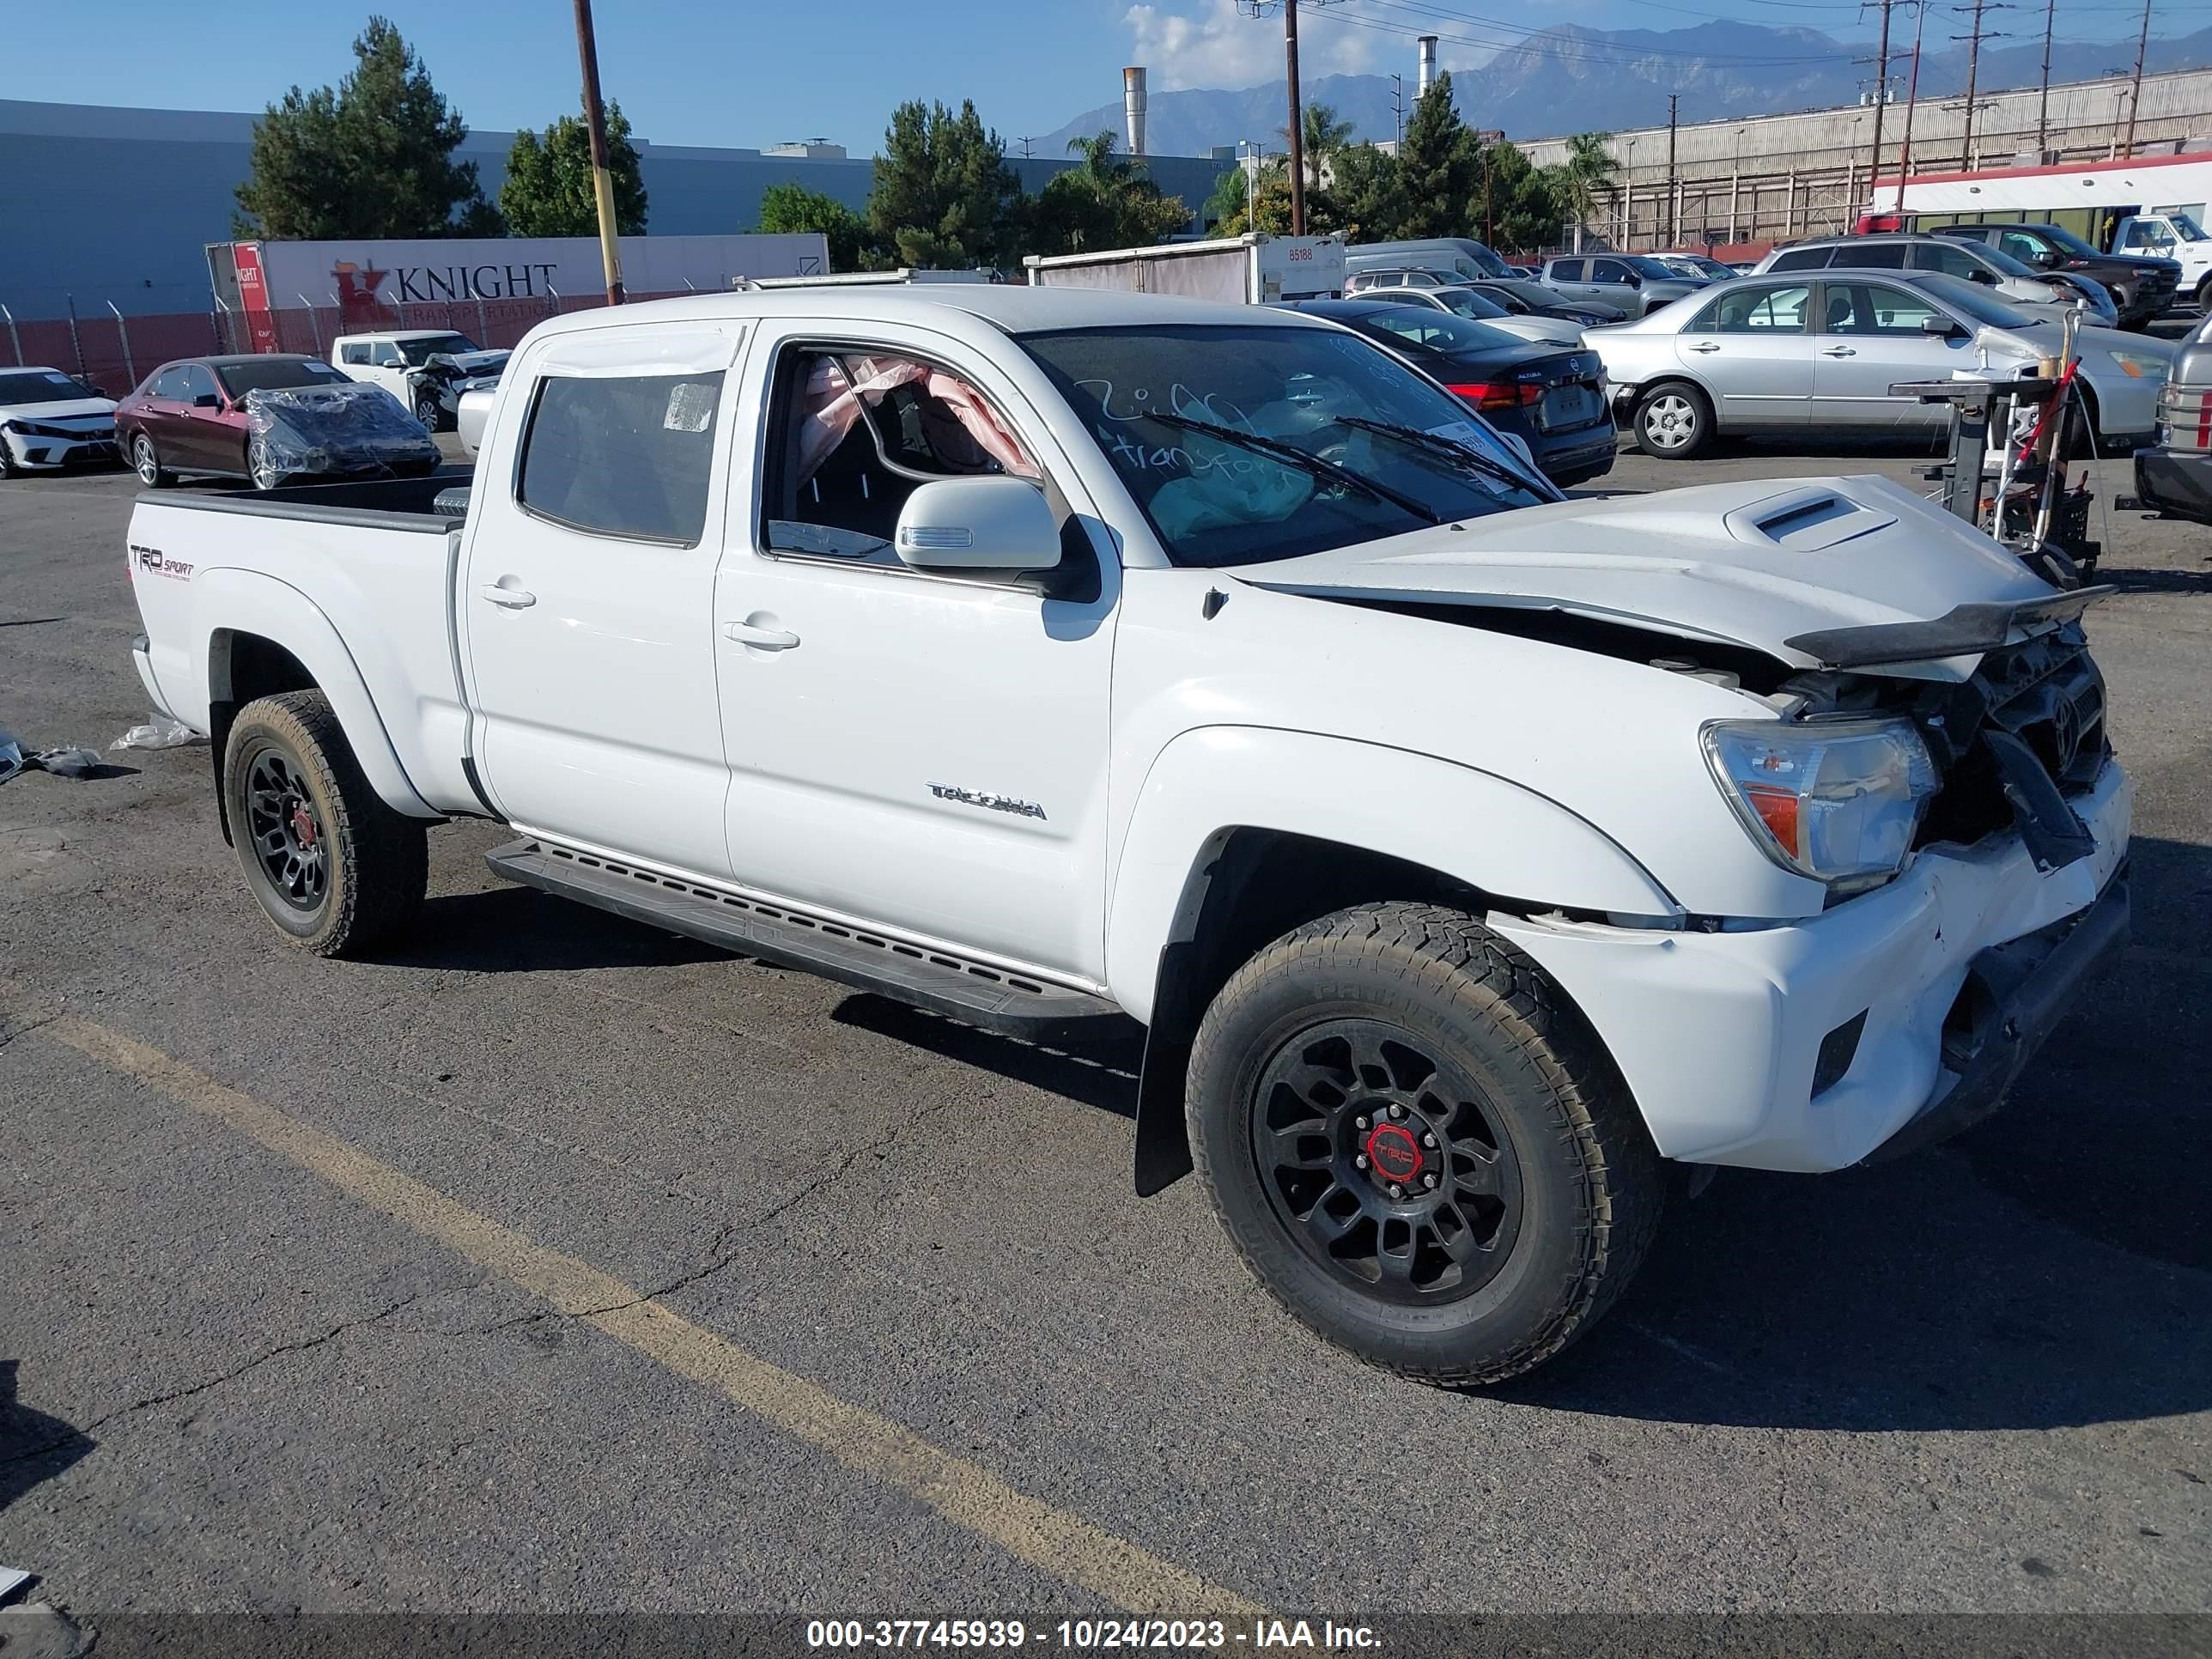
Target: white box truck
[{"x": 1241, "y": 270}]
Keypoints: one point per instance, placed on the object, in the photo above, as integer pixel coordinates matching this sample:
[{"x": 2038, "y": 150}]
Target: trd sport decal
[
  {"x": 1027, "y": 809},
  {"x": 155, "y": 563}
]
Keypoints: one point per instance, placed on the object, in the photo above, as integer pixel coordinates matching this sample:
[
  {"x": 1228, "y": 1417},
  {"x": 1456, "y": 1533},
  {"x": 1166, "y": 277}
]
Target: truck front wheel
[
  {"x": 336, "y": 870},
  {"x": 1418, "y": 1146}
]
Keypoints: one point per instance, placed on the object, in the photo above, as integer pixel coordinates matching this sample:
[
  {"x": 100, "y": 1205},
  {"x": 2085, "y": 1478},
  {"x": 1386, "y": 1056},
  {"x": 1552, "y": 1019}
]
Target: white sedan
[
  {"x": 50, "y": 420},
  {"x": 1815, "y": 354}
]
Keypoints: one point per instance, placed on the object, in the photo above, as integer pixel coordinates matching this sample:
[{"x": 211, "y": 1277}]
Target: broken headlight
[{"x": 1838, "y": 800}]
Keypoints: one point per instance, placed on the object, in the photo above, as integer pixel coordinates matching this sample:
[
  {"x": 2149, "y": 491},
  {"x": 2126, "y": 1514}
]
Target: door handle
[
  {"x": 760, "y": 638},
  {"x": 512, "y": 599},
  {"x": 1705, "y": 345},
  {"x": 1839, "y": 351}
]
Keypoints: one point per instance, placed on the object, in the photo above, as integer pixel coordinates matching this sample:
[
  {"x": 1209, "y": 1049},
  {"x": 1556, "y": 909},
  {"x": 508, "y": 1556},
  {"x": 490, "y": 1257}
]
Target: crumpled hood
[
  {"x": 1753, "y": 563},
  {"x": 473, "y": 363},
  {"x": 72, "y": 409}
]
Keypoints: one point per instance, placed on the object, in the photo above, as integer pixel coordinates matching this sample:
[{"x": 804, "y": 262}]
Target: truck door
[
  {"x": 926, "y": 751},
  {"x": 586, "y": 600}
]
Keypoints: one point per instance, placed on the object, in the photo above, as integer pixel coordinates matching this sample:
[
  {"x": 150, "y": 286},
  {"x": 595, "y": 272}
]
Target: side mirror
[
  {"x": 2048, "y": 259},
  {"x": 207, "y": 400},
  {"x": 1941, "y": 328},
  {"x": 1985, "y": 278},
  {"x": 990, "y": 523}
]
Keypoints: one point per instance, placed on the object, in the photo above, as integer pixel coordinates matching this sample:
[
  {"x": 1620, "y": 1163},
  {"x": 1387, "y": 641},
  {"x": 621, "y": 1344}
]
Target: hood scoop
[{"x": 1805, "y": 520}]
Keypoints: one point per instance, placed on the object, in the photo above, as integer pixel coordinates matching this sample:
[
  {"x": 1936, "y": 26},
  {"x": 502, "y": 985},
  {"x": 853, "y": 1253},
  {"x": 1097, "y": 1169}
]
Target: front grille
[{"x": 2047, "y": 695}]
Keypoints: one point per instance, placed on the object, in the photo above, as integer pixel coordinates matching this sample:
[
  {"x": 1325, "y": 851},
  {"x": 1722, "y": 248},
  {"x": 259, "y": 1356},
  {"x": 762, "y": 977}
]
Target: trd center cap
[{"x": 1393, "y": 1153}]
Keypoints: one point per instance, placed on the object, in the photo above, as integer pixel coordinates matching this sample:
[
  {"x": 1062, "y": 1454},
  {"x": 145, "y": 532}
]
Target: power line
[
  {"x": 1973, "y": 63},
  {"x": 2135, "y": 98},
  {"x": 2042, "y": 90}
]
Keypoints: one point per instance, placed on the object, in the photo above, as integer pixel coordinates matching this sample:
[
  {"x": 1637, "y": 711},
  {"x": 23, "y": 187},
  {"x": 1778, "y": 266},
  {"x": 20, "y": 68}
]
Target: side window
[
  {"x": 384, "y": 354},
  {"x": 355, "y": 351},
  {"x": 854, "y": 431},
  {"x": 1779, "y": 310},
  {"x": 196, "y": 383},
  {"x": 1875, "y": 308},
  {"x": 169, "y": 385},
  {"x": 1422, "y": 327},
  {"x": 1799, "y": 259},
  {"x": 1608, "y": 271},
  {"x": 1948, "y": 257},
  {"x": 1566, "y": 270},
  {"x": 627, "y": 457},
  {"x": 2021, "y": 246},
  {"x": 1873, "y": 256}
]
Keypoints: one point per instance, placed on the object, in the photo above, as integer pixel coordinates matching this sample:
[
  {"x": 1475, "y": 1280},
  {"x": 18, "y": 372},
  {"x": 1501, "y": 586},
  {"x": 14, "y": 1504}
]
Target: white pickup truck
[{"x": 1051, "y": 658}]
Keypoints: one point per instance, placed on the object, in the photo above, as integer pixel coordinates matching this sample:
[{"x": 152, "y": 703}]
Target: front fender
[
  {"x": 250, "y": 602},
  {"x": 1493, "y": 835}
]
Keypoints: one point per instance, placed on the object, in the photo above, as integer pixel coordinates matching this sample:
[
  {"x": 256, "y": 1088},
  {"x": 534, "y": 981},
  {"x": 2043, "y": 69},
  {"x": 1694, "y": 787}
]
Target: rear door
[
  {"x": 587, "y": 593},
  {"x": 1752, "y": 349},
  {"x": 1871, "y": 339}
]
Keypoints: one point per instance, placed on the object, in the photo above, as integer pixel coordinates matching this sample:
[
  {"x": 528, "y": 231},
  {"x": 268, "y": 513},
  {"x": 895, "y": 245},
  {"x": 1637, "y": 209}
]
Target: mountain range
[{"x": 1570, "y": 79}]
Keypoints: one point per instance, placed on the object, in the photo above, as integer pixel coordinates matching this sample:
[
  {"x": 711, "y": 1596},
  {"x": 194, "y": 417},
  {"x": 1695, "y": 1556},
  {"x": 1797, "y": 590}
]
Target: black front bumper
[
  {"x": 2014, "y": 996},
  {"x": 2176, "y": 481}
]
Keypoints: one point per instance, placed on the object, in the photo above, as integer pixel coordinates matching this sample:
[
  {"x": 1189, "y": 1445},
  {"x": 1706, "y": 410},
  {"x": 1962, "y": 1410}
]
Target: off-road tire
[
  {"x": 378, "y": 860},
  {"x": 1697, "y": 435},
  {"x": 1591, "y": 1182}
]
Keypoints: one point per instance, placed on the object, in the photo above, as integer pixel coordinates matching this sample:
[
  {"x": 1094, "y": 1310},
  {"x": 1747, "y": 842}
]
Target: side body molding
[
  {"x": 251, "y": 602},
  {"x": 1491, "y": 834}
]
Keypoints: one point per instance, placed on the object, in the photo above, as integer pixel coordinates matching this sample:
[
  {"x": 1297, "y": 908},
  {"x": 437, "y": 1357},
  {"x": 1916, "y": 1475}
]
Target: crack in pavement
[
  {"x": 84, "y": 1430},
  {"x": 718, "y": 1253}
]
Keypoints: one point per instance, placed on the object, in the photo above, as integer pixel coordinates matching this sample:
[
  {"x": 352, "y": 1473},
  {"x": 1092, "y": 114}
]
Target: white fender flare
[
  {"x": 250, "y": 602},
  {"x": 1494, "y": 834}
]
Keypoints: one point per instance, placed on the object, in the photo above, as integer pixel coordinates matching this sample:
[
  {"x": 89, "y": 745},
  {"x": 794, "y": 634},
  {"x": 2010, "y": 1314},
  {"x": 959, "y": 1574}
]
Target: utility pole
[
  {"x": 603, "y": 183},
  {"x": 1880, "y": 97},
  {"x": 1973, "y": 65},
  {"x": 2042, "y": 93},
  {"x": 1912, "y": 100},
  {"x": 1265, "y": 8},
  {"x": 1673, "y": 189},
  {"x": 2135, "y": 98},
  {"x": 1398, "y": 108}
]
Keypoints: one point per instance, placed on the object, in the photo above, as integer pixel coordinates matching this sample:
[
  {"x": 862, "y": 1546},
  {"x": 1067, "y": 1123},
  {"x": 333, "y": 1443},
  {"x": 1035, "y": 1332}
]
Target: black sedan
[
  {"x": 1528, "y": 298},
  {"x": 1551, "y": 397}
]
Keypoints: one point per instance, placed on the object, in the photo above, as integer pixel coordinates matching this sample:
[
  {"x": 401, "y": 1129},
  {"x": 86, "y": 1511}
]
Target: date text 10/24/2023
[{"x": 1215, "y": 1635}]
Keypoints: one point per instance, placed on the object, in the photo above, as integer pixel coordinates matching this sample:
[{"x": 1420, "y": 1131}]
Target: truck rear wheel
[
  {"x": 1418, "y": 1146},
  {"x": 336, "y": 870}
]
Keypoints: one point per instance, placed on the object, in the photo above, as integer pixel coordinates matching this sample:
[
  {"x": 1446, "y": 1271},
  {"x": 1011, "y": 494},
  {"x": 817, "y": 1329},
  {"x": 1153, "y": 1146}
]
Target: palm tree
[
  {"x": 1323, "y": 135},
  {"x": 1588, "y": 169},
  {"x": 1106, "y": 173}
]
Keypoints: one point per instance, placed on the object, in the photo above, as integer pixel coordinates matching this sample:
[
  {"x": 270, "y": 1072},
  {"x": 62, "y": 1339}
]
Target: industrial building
[{"x": 113, "y": 206}]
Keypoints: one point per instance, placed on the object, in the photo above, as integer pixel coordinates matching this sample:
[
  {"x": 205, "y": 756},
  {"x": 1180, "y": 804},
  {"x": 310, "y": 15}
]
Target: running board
[{"x": 993, "y": 998}]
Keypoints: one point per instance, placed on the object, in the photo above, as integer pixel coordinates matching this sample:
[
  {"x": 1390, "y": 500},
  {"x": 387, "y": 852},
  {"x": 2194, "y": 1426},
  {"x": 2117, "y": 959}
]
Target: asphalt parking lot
[{"x": 552, "y": 1264}]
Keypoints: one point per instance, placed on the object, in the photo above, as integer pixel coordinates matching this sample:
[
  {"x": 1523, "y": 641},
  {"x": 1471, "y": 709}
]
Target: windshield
[
  {"x": 421, "y": 351},
  {"x": 2186, "y": 227},
  {"x": 1644, "y": 265},
  {"x": 1437, "y": 331},
  {"x": 2060, "y": 236},
  {"x": 1466, "y": 302},
  {"x": 1977, "y": 301},
  {"x": 42, "y": 386},
  {"x": 278, "y": 373},
  {"x": 1534, "y": 296},
  {"x": 1213, "y": 501}
]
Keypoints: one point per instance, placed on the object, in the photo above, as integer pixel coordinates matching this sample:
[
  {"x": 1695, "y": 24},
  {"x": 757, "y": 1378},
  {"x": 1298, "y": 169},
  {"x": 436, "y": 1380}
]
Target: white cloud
[{"x": 1216, "y": 44}]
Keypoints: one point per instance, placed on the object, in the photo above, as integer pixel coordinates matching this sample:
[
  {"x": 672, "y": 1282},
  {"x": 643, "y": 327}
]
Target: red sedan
[{"x": 192, "y": 415}]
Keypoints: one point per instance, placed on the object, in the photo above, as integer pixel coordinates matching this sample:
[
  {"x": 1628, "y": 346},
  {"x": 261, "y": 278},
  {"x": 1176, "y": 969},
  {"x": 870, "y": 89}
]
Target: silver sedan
[{"x": 1815, "y": 355}]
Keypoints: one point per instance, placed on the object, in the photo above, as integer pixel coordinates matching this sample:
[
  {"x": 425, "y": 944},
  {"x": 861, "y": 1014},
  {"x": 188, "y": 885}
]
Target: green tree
[
  {"x": 1226, "y": 202},
  {"x": 548, "y": 190},
  {"x": 1105, "y": 201},
  {"x": 1437, "y": 165},
  {"x": 1370, "y": 191},
  {"x": 943, "y": 195},
  {"x": 1323, "y": 135},
  {"x": 785, "y": 208},
  {"x": 372, "y": 157}
]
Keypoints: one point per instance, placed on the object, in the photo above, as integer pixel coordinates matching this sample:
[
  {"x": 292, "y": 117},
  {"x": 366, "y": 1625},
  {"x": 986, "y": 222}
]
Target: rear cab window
[{"x": 627, "y": 456}]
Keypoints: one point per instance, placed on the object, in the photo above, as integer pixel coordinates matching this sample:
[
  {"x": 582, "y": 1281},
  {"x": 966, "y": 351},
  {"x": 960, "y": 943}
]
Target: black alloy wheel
[
  {"x": 288, "y": 839},
  {"x": 1380, "y": 1159}
]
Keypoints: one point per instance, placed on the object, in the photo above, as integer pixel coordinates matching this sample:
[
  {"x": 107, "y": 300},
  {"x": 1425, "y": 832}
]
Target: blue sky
[{"x": 755, "y": 72}]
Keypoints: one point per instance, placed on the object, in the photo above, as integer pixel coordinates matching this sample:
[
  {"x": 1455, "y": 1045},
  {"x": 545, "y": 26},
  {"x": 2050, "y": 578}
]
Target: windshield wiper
[
  {"x": 1444, "y": 448},
  {"x": 1312, "y": 464}
]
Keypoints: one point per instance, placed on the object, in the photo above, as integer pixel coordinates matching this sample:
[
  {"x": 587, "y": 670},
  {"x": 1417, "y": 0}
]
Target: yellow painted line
[{"x": 964, "y": 1493}]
